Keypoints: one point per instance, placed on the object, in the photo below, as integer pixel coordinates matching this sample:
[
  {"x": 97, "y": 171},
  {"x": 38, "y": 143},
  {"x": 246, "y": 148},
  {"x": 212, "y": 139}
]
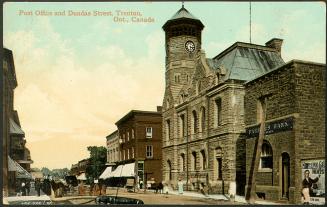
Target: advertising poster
[{"x": 316, "y": 170}]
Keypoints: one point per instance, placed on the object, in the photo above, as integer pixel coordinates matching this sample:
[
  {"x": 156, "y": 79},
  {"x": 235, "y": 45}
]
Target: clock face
[{"x": 190, "y": 46}]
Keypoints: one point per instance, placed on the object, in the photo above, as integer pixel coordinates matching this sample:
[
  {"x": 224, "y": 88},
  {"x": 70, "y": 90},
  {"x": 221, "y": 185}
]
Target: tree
[
  {"x": 46, "y": 171},
  {"x": 98, "y": 159}
]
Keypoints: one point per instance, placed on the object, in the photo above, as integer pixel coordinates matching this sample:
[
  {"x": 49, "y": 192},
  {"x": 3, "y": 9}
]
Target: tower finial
[{"x": 183, "y": 4}]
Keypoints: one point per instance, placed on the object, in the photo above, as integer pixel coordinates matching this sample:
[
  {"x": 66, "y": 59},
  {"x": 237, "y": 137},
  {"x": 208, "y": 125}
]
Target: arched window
[
  {"x": 203, "y": 119},
  {"x": 266, "y": 158},
  {"x": 194, "y": 161},
  {"x": 194, "y": 122},
  {"x": 167, "y": 130},
  {"x": 182, "y": 162},
  {"x": 182, "y": 125},
  {"x": 203, "y": 160}
]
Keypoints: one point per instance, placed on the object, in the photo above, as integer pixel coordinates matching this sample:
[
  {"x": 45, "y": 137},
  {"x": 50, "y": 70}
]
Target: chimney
[
  {"x": 276, "y": 44},
  {"x": 159, "y": 108}
]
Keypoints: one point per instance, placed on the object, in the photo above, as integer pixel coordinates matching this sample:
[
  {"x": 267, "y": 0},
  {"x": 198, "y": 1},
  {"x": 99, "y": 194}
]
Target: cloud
[{"x": 62, "y": 102}]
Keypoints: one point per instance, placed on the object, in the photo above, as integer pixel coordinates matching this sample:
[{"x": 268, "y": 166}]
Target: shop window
[{"x": 266, "y": 158}]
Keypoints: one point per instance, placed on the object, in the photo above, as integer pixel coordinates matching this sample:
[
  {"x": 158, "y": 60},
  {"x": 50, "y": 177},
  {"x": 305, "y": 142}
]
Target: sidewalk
[{"x": 240, "y": 199}]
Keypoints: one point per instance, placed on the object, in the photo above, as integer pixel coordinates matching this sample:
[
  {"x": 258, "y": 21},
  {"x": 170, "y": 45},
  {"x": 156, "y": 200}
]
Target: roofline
[
  {"x": 168, "y": 22},
  {"x": 289, "y": 63},
  {"x": 115, "y": 132},
  {"x": 243, "y": 44},
  {"x": 8, "y": 53},
  {"x": 134, "y": 112}
]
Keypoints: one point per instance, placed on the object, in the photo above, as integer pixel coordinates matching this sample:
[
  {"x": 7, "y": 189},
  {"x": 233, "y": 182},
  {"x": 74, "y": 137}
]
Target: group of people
[{"x": 25, "y": 187}]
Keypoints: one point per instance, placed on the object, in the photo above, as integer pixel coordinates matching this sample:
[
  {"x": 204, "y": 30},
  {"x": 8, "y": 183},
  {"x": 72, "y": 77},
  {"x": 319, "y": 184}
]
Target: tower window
[{"x": 218, "y": 111}]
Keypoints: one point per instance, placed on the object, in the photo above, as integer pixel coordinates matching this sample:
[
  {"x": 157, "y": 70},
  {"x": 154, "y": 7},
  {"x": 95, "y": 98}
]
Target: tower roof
[{"x": 183, "y": 15}]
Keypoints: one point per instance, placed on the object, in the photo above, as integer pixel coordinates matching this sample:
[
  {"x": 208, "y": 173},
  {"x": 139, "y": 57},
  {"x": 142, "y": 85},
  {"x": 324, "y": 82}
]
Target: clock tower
[{"x": 183, "y": 43}]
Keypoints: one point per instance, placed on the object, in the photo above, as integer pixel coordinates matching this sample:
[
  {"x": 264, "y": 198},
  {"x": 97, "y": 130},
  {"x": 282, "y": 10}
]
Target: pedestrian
[
  {"x": 28, "y": 187},
  {"x": 38, "y": 187},
  {"x": 23, "y": 188},
  {"x": 180, "y": 186},
  {"x": 306, "y": 186},
  {"x": 160, "y": 187}
]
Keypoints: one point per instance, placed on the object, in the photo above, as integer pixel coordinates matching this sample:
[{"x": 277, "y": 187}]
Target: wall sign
[
  {"x": 271, "y": 127},
  {"x": 316, "y": 170}
]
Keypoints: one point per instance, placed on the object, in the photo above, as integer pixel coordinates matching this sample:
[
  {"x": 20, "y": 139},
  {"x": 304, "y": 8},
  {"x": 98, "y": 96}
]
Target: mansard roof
[{"x": 245, "y": 61}]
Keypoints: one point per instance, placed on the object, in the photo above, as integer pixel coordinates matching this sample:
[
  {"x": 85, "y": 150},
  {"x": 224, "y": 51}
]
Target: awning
[
  {"x": 116, "y": 172},
  {"x": 81, "y": 177},
  {"x": 38, "y": 175},
  {"x": 106, "y": 173},
  {"x": 15, "y": 167},
  {"x": 14, "y": 128},
  {"x": 128, "y": 170},
  {"x": 123, "y": 171}
]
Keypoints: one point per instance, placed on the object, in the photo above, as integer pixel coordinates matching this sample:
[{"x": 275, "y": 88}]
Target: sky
[{"x": 78, "y": 75}]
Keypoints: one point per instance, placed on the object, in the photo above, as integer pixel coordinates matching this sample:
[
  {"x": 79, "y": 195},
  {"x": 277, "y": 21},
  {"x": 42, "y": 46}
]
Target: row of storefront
[{"x": 16, "y": 156}]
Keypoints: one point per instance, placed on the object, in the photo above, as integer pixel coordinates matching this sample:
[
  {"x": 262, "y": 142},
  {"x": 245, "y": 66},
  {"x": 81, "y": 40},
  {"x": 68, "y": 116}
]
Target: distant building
[
  {"x": 295, "y": 130},
  {"x": 140, "y": 137},
  {"x": 113, "y": 148},
  {"x": 79, "y": 167}
]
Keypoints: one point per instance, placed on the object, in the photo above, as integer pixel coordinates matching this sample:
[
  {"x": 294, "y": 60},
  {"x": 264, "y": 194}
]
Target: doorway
[{"x": 285, "y": 175}]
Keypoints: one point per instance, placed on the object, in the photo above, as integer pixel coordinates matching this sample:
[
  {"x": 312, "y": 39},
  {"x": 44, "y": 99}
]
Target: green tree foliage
[
  {"x": 98, "y": 159},
  {"x": 46, "y": 171}
]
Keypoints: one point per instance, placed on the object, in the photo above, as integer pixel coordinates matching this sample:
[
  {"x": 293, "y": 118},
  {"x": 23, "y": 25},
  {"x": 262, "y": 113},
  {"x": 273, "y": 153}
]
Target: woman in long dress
[{"x": 180, "y": 186}]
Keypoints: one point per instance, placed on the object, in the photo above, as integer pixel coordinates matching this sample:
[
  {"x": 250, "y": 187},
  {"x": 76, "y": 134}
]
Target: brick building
[
  {"x": 113, "y": 148},
  {"x": 140, "y": 134},
  {"x": 295, "y": 130},
  {"x": 203, "y": 108},
  {"x": 80, "y": 167}
]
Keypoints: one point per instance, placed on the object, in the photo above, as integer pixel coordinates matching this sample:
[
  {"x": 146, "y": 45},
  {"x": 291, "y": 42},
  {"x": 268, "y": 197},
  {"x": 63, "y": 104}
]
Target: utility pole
[{"x": 250, "y": 193}]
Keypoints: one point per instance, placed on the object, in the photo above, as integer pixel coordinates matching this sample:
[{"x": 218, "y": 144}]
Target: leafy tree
[
  {"x": 98, "y": 159},
  {"x": 46, "y": 171}
]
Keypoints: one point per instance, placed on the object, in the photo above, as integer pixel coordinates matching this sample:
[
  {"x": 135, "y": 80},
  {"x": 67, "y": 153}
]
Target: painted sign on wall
[{"x": 316, "y": 170}]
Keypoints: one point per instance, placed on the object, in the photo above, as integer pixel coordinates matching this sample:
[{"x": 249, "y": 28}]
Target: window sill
[{"x": 264, "y": 170}]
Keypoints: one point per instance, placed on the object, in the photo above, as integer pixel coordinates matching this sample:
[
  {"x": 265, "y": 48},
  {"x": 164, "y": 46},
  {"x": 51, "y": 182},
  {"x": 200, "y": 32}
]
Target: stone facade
[
  {"x": 203, "y": 107},
  {"x": 140, "y": 134},
  {"x": 296, "y": 93}
]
